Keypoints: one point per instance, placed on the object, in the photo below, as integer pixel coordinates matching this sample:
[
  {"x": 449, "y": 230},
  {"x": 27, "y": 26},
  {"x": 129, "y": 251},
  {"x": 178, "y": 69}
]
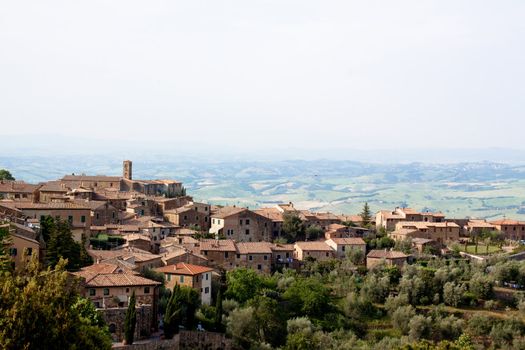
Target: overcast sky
[{"x": 253, "y": 75}]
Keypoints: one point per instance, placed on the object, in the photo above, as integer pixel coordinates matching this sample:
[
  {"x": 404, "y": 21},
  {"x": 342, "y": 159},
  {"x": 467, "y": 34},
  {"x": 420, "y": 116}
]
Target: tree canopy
[
  {"x": 42, "y": 310},
  {"x": 6, "y": 175}
]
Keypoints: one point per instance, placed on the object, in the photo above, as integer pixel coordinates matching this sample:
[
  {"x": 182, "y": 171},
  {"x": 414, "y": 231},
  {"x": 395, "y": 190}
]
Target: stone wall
[
  {"x": 115, "y": 318},
  {"x": 185, "y": 340}
]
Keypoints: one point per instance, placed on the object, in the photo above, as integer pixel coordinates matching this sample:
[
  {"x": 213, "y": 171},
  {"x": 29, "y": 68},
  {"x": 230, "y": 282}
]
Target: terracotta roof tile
[{"x": 184, "y": 269}]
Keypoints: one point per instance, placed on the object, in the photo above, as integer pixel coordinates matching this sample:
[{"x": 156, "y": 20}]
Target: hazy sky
[{"x": 266, "y": 74}]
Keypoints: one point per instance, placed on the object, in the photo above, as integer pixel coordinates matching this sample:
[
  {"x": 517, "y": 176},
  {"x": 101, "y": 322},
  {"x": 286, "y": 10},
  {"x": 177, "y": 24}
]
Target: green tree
[
  {"x": 6, "y": 175},
  {"x": 365, "y": 215},
  {"x": 61, "y": 245},
  {"x": 293, "y": 228},
  {"x": 243, "y": 284},
  {"x": 173, "y": 316},
  {"x": 42, "y": 310},
  {"x": 5, "y": 241},
  {"x": 218, "y": 312},
  {"x": 131, "y": 320},
  {"x": 242, "y": 327},
  {"x": 269, "y": 319},
  {"x": 314, "y": 232},
  {"x": 308, "y": 297}
]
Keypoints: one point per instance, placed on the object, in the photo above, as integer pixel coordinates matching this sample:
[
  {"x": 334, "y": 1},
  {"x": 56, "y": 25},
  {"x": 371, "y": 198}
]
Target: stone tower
[{"x": 127, "y": 170}]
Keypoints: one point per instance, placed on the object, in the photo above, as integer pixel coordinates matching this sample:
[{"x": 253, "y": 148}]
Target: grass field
[{"x": 482, "y": 249}]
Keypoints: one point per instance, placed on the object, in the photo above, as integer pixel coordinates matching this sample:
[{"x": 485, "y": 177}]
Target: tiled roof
[
  {"x": 254, "y": 248},
  {"x": 136, "y": 237},
  {"x": 127, "y": 254},
  {"x": 101, "y": 178},
  {"x": 335, "y": 227},
  {"x": 51, "y": 205},
  {"x": 315, "y": 245},
  {"x": 349, "y": 241},
  {"x": 224, "y": 245},
  {"x": 271, "y": 213},
  {"x": 386, "y": 254},
  {"x": 17, "y": 187},
  {"x": 227, "y": 211},
  {"x": 114, "y": 279},
  {"x": 184, "y": 269},
  {"x": 282, "y": 247},
  {"x": 479, "y": 223},
  {"x": 507, "y": 222},
  {"x": 53, "y": 186}
]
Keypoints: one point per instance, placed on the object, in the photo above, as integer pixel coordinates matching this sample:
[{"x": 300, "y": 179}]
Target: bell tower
[{"x": 127, "y": 170}]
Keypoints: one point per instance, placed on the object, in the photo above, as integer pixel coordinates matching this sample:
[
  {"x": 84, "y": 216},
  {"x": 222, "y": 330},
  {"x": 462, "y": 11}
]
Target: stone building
[
  {"x": 255, "y": 255},
  {"x": 220, "y": 253},
  {"x": 389, "y": 257},
  {"x": 342, "y": 246},
  {"x": 240, "y": 224},
  {"x": 316, "y": 250},
  {"x": 194, "y": 276}
]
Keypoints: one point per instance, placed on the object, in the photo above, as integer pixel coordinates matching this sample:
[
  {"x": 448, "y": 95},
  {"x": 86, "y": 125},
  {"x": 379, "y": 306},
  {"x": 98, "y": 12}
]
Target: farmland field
[{"x": 481, "y": 190}]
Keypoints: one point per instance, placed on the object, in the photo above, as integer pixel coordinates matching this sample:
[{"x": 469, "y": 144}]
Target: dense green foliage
[
  {"x": 434, "y": 304},
  {"x": 60, "y": 244},
  {"x": 293, "y": 227},
  {"x": 6, "y": 175},
  {"x": 180, "y": 310},
  {"x": 5, "y": 259},
  {"x": 42, "y": 310}
]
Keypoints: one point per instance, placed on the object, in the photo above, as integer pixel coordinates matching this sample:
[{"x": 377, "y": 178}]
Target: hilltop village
[{"x": 135, "y": 229}]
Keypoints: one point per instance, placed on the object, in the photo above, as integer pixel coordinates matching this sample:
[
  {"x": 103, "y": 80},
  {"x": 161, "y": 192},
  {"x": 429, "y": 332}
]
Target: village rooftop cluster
[{"x": 129, "y": 226}]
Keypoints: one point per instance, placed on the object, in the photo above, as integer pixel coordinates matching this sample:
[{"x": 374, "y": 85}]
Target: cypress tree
[
  {"x": 173, "y": 315},
  {"x": 131, "y": 320},
  {"x": 218, "y": 311},
  {"x": 365, "y": 215}
]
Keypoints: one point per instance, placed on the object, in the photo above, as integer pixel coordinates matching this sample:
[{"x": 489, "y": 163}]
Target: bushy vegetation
[{"x": 435, "y": 304}]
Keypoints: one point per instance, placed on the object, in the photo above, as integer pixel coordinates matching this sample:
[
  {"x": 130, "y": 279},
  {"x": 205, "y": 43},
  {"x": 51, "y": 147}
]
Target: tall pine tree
[
  {"x": 130, "y": 321},
  {"x": 366, "y": 217}
]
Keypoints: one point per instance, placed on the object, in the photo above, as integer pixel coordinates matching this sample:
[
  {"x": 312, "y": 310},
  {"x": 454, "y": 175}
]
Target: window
[
  {"x": 259, "y": 267},
  {"x": 70, "y": 219},
  {"x": 142, "y": 212},
  {"x": 240, "y": 222},
  {"x": 169, "y": 277},
  {"x": 127, "y": 290},
  {"x": 13, "y": 251},
  {"x": 83, "y": 218},
  {"x": 92, "y": 292},
  {"x": 206, "y": 290},
  {"x": 185, "y": 217},
  {"x": 29, "y": 251},
  {"x": 326, "y": 254},
  {"x": 247, "y": 231},
  {"x": 97, "y": 216},
  {"x": 207, "y": 276},
  {"x": 146, "y": 290},
  {"x": 181, "y": 279},
  {"x": 343, "y": 248},
  {"x": 106, "y": 291},
  {"x": 238, "y": 256},
  {"x": 205, "y": 208},
  {"x": 225, "y": 254},
  {"x": 113, "y": 215},
  {"x": 250, "y": 257},
  {"x": 112, "y": 328},
  {"x": 205, "y": 219},
  {"x": 247, "y": 221},
  {"x": 266, "y": 257},
  {"x": 197, "y": 279}
]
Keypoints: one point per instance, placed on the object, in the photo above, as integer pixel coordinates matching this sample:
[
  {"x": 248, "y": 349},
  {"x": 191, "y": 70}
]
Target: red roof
[{"x": 184, "y": 269}]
